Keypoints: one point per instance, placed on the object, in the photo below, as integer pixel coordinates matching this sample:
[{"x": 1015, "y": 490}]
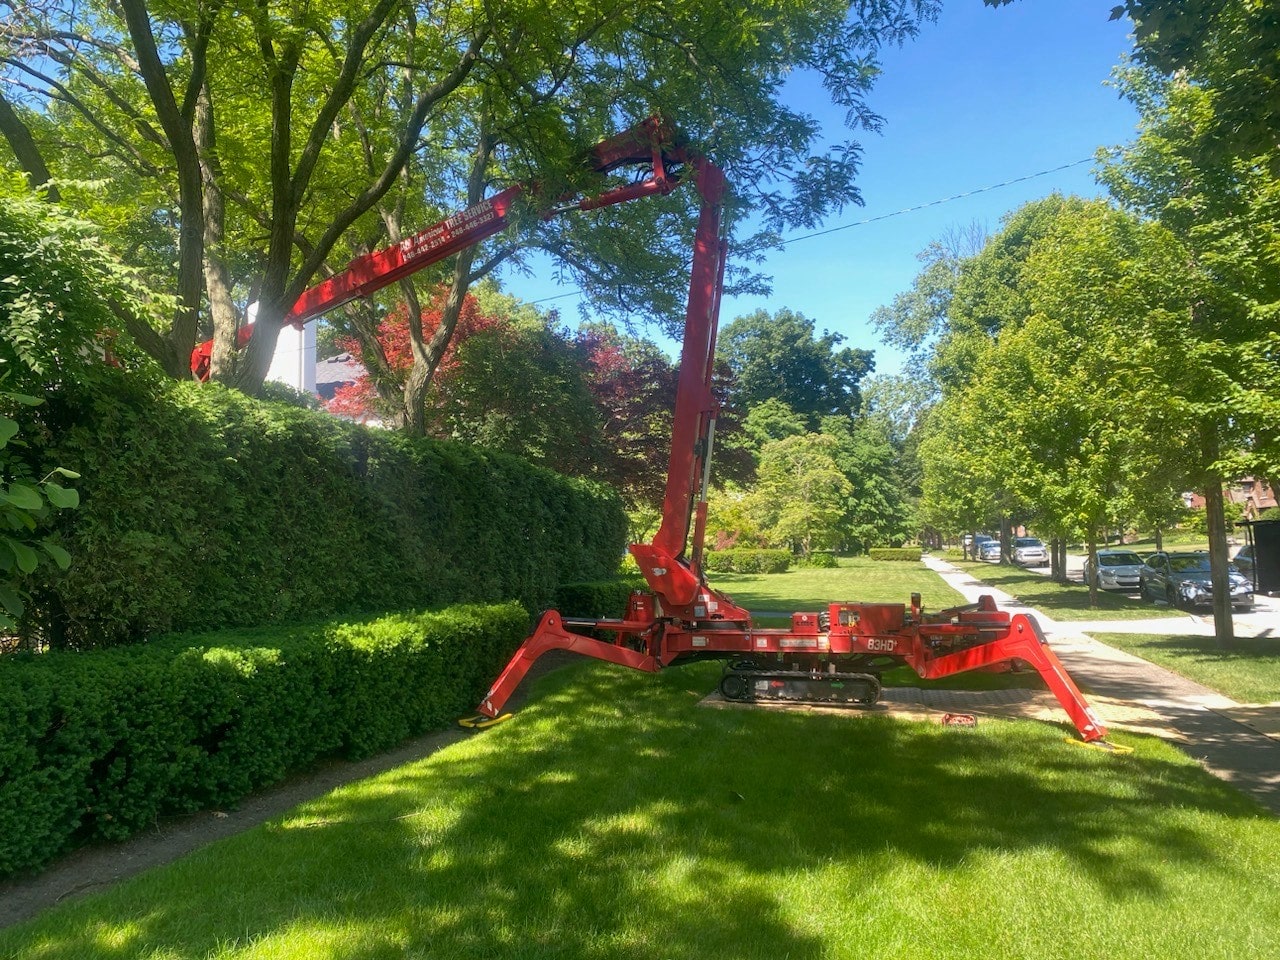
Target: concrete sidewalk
[{"x": 1236, "y": 742}]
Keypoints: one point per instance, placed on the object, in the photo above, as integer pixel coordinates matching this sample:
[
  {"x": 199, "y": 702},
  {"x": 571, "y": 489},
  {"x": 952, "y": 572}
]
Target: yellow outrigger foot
[
  {"x": 1102, "y": 745},
  {"x": 482, "y": 722}
]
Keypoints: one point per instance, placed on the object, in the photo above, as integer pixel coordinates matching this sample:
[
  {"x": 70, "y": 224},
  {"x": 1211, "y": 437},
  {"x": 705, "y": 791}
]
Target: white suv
[{"x": 1030, "y": 552}]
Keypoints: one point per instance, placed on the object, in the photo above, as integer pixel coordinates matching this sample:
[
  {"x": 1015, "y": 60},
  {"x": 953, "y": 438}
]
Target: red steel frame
[{"x": 683, "y": 618}]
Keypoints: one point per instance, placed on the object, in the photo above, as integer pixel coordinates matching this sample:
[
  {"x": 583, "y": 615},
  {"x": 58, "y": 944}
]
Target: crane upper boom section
[{"x": 651, "y": 145}]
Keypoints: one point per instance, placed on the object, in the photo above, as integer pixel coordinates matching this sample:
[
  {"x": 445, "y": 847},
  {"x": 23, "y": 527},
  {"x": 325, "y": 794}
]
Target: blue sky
[{"x": 982, "y": 97}]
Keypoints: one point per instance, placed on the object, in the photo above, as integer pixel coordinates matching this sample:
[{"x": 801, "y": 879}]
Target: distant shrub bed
[
  {"x": 97, "y": 745},
  {"x": 745, "y": 560},
  {"x": 819, "y": 561},
  {"x": 895, "y": 553},
  {"x": 202, "y": 509}
]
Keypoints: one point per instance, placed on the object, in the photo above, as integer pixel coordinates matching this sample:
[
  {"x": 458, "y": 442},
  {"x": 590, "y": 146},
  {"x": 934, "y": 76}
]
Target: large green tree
[
  {"x": 800, "y": 496},
  {"x": 780, "y": 356},
  {"x": 279, "y": 139},
  {"x": 1222, "y": 208}
]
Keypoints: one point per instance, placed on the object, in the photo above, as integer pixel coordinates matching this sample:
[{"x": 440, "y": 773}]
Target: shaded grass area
[
  {"x": 616, "y": 818},
  {"x": 1249, "y": 672},
  {"x": 1060, "y": 601}
]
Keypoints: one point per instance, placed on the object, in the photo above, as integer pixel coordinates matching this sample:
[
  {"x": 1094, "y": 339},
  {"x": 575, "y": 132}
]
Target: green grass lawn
[
  {"x": 1248, "y": 673},
  {"x": 1061, "y": 601},
  {"x": 614, "y": 817},
  {"x": 856, "y": 579}
]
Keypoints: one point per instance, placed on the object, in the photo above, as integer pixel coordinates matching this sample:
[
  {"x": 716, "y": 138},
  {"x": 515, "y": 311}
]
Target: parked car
[
  {"x": 1182, "y": 579},
  {"x": 1244, "y": 560},
  {"x": 989, "y": 550},
  {"x": 1116, "y": 569},
  {"x": 1029, "y": 552}
]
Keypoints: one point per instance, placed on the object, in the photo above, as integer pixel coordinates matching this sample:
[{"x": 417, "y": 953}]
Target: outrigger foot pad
[
  {"x": 482, "y": 722},
  {"x": 1101, "y": 745}
]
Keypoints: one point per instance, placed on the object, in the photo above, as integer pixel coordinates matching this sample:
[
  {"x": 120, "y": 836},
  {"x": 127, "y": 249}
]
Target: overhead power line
[
  {"x": 887, "y": 216},
  {"x": 934, "y": 203}
]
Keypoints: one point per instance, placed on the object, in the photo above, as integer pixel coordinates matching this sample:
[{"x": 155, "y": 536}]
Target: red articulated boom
[
  {"x": 370, "y": 273},
  {"x": 833, "y": 656}
]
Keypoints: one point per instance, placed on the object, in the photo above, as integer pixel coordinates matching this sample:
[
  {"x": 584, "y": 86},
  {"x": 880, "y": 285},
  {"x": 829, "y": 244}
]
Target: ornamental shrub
[
  {"x": 748, "y": 561},
  {"x": 202, "y": 508},
  {"x": 896, "y": 553},
  {"x": 819, "y": 561},
  {"x": 97, "y": 745}
]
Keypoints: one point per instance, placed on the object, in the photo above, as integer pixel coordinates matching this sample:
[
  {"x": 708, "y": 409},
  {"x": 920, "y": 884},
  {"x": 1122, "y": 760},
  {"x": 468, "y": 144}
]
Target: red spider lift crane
[{"x": 834, "y": 656}]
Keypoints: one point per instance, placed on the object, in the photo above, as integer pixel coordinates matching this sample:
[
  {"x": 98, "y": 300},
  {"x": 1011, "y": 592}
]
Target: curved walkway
[{"x": 1236, "y": 742}]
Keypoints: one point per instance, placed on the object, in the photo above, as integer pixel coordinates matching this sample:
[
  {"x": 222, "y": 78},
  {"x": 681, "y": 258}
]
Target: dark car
[
  {"x": 1182, "y": 579},
  {"x": 1244, "y": 560},
  {"x": 1115, "y": 570}
]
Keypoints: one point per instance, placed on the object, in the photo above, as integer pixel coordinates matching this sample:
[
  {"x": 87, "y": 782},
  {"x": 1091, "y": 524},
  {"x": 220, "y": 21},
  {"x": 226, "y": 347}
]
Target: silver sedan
[{"x": 1115, "y": 570}]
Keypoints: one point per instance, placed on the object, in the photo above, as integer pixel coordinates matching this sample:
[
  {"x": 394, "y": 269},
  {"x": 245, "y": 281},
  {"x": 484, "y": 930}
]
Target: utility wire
[
  {"x": 934, "y": 203},
  {"x": 887, "y": 216}
]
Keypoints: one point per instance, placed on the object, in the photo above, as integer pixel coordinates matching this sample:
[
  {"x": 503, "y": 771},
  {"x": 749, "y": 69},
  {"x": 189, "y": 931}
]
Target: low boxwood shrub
[
  {"x": 895, "y": 553},
  {"x": 819, "y": 561},
  {"x": 99, "y": 744},
  {"x": 744, "y": 560}
]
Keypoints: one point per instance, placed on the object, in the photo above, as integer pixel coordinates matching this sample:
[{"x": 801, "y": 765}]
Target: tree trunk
[
  {"x": 427, "y": 357},
  {"x": 175, "y": 356},
  {"x": 1223, "y": 626},
  {"x": 1092, "y": 562},
  {"x": 217, "y": 278},
  {"x": 24, "y": 148}
]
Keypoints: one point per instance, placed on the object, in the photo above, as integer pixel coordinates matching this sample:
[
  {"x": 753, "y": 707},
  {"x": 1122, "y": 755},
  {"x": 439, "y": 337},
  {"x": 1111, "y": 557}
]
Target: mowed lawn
[
  {"x": 856, "y": 579},
  {"x": 616, "y": 816},
  {"x": 1061, "y": 601},
  {"x": 1247, "y": 672}
]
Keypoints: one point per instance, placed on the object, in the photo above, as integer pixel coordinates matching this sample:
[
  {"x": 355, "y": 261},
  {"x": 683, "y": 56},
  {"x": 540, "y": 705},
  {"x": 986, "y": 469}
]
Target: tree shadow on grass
[{"x": 615, "y": 818}]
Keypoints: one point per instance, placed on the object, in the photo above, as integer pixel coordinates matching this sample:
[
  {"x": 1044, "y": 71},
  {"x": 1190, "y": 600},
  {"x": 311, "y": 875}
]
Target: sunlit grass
[
  {"x": 1069, "y": 601},
  {"x": 1247, "y": 672},
  {"x": 856, "y": 579},
  {"x": 617, "y": 818}
]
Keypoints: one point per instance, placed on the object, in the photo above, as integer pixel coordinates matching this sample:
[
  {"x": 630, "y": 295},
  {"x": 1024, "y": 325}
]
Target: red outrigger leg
[
  {"x": 550, "y": 634},
  {"x": 1025, "y": 641}
]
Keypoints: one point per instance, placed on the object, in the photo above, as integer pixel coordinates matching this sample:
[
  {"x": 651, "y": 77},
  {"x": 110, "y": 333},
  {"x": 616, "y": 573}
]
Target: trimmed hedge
[
  {"x": 202, "y": 509},
  {"x": 896, "y": 553},
  {"x": 819, "y": 561},
  {"x": 602, "y": 599},
  {"x": 745, "y": 560},
  {"x": 97, "y": 745}
]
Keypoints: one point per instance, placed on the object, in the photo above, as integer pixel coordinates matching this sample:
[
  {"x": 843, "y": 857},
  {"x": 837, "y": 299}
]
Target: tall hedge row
[
  {"x": 97, "y": 745},
  {"x": 201, "y": 508}
]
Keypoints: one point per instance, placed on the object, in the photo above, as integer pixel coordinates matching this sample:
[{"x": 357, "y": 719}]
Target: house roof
[{"x": 336, "y": 371}]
